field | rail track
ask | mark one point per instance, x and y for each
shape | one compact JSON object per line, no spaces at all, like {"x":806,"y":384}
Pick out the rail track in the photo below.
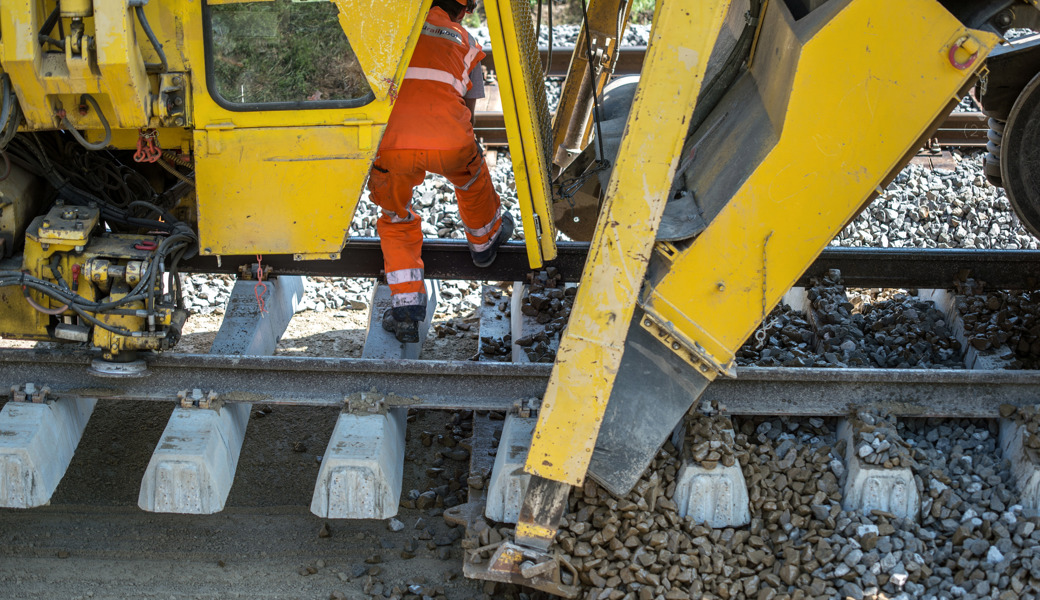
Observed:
{"x":433,"y":384}
{"x":860,"y":267}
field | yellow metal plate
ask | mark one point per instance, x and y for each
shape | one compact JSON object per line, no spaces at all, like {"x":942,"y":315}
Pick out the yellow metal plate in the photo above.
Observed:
{"x":865,"y":89}
{"x":527,"y":119}
{"x":590,"y":351}
{"x":279,"y":190}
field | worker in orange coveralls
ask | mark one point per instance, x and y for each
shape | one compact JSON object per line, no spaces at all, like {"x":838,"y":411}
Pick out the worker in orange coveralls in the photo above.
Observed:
{"x":431,"y":129}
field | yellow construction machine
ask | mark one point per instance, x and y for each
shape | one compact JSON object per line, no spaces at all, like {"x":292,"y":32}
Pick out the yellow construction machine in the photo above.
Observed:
{"x":137,"y":134}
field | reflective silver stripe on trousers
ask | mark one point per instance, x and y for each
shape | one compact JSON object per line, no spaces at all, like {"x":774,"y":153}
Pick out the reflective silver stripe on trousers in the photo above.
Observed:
{"x":404,"y":276}
{"x":472,"y":179}
{"x":481,"y":247}
{"x":396,"y":219}
{"x":487,"y":228}
{"x":410,"y":299}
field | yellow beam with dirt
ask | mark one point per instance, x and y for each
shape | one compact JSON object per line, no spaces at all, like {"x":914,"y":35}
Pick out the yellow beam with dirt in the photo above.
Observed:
{"x":590,"y":352}
{"x":851,"y":99}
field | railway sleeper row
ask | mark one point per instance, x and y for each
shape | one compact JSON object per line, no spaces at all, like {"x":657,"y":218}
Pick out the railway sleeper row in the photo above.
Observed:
{"x":194,"y":463}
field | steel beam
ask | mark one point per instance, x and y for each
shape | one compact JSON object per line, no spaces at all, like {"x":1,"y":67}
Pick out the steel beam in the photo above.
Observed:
{"x":496,"y":386}
{"x":959,"y":130}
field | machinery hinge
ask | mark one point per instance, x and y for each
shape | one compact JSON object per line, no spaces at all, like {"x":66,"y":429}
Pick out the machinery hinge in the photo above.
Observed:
{"x":667,"y":250}
{"x":537,"y":226}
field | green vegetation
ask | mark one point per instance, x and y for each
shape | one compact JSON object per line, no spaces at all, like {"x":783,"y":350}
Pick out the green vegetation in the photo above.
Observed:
{"x":283,"y":51}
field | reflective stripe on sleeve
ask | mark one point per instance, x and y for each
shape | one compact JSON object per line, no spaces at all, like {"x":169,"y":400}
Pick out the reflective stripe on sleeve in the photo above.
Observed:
{"x":471,"y":54}
{"x":426,"y":74}
{"x":404,"y":276}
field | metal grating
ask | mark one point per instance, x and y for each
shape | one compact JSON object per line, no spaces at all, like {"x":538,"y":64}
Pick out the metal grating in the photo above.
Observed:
{"x":531,"y":64}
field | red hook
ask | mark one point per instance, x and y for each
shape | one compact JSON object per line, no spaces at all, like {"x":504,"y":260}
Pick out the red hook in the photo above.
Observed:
{"x":953,"y":54}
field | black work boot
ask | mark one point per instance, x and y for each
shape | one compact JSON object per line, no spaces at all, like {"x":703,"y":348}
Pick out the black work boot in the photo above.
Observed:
{"x":403,"y":322}
{"x":484,"y":258}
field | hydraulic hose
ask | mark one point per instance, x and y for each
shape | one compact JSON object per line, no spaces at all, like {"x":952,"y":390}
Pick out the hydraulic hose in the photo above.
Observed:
{"x":88,"y":99}
{"x":163,"y":67}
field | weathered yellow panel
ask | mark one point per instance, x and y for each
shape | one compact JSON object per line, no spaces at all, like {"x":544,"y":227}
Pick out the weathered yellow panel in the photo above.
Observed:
{"x":590,"y":352}
{"x":865,"y":89}
{"x":280,"y":190}
{"x":115,"y":75}
{"x":288,"y":181}
{"x":382,"y":37}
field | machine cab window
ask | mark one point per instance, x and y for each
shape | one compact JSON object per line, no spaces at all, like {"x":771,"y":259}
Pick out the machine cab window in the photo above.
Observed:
{"x":281,"y":54}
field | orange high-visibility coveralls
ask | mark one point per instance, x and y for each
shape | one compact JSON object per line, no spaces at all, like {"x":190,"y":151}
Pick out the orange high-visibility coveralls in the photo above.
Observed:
{"x":430,"y":129}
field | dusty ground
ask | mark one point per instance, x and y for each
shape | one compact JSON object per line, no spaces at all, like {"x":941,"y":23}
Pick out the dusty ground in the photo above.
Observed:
{"x":94,"y":542}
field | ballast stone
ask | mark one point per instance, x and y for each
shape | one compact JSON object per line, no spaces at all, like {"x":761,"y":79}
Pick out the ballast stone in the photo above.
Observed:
{"x":508,"y":479}
{"x":37,"y":441}
{"x":873,"y":487}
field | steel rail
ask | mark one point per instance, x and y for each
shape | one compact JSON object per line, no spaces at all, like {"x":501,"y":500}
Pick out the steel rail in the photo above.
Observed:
{"x":629,"y":62}
{"x":860,"y":267}
{"x":304,"y":381}
{"x":960,"y":129}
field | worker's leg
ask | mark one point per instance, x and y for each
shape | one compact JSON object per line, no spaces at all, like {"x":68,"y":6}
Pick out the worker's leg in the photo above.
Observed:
{"x":487,"y":224}
{"x":394,"y":175}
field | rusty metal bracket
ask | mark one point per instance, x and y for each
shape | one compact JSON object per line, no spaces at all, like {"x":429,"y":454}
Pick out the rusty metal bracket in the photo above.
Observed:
{"x":505,"y":561}
{"x":196,"y":399}
{"x":364,"y":403}
{"x":515,"y":564}
{"x":29,"y":393}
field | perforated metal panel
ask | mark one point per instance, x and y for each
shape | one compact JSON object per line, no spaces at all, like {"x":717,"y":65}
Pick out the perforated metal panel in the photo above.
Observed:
{"x":528,"y":123}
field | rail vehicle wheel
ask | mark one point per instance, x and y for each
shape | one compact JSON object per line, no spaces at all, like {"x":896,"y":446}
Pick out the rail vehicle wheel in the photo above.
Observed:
{"x":1020,"y":156}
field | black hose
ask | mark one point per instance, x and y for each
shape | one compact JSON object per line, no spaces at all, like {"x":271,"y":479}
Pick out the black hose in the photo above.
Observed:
{"x":592,"y":82}
{"x":10,"y":112}
{"x":48,"y":26}
{"x":88,"y":99}
{"x":163,"y":67}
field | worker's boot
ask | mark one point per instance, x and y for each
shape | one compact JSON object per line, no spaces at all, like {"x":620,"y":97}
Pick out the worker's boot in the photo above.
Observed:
{"x":403,"y":322}
{"x":484,"y":258}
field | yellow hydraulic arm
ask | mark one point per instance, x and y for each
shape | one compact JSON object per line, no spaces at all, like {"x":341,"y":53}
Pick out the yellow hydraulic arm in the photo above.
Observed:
{"x":591,"y":349}
{"x":572,"y":124}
